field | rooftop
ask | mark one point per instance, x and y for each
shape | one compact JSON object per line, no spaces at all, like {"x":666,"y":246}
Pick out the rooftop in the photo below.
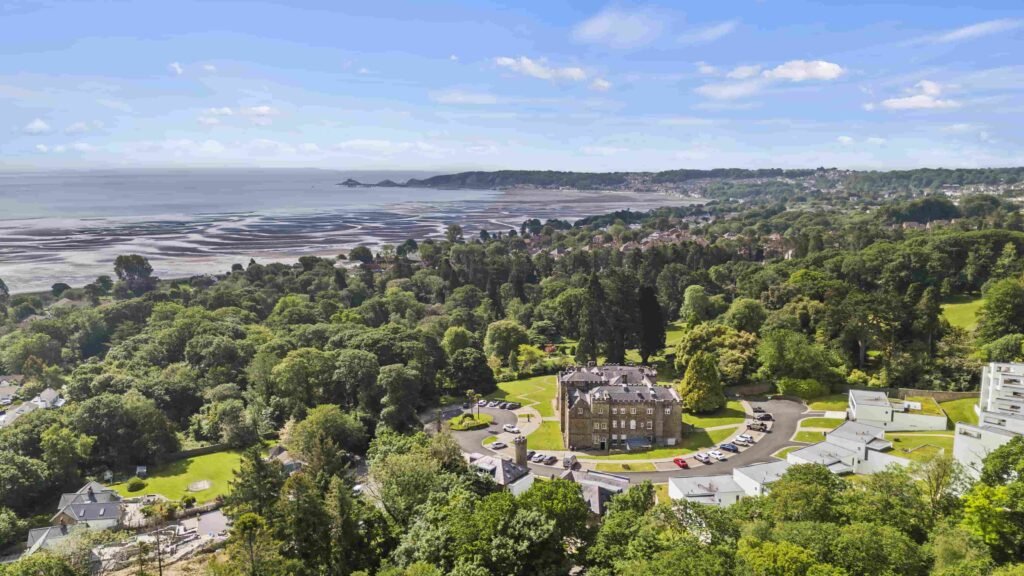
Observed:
{"x":504,"y":472}
{"x":764,"y":473}
{"x":696,"y":487}
{"x":823,"y":453}
{"x":928,"y":405}
{"x":869,"y":398}
{"x":856,"y":432}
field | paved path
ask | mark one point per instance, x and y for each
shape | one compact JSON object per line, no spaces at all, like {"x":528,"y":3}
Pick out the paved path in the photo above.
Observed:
{"x":787,"y":415}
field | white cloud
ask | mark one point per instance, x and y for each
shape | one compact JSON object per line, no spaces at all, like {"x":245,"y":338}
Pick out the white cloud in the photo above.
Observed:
{"x":845,"y":140}
{"x":114,"y":104}
{"x":685,"y":121}
{"x":600,"y":84}
{"x":209,"y":68}
{"x":620,"y":28}
{"x":538,"y":69}
{"x":223,"y":111}
{"x":710,"y":33}
{"x":176,"y":68}
{"x":260,"y":115}
{"x":453,"y":58}
{"x":705,"y":68}
{"x":42,"y":148}
{"x":370,"y":147}
{"x":876,"y":140}
{"x":730,"y":90}
{"x":800,"y":70}
{"x":744,"y":72}
{"x":309,"y":148}
{"x":82,"y":147}
{"x":36,"y":126}
{"x":364,"y":70}
{"x":960,"y":128}
{"x":926,"y":98}
{"x":868,"y":106}
{"x":460,"y":97}
{"x":209,"y":120}
{"x":978,"y":30}
{"x":603,"y":150}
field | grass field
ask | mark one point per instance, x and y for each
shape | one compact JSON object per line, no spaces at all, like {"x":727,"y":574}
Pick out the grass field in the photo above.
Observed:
{"x":172,"y":479}
{"x":470,"y":422}
{"x":694,"y":441}
{"x":781,"y":454}
{"x":829,"y":423}
{"x":661,"y":493}
{"x":919,"y":448}
{"x":614,"y":467}
{"x":539,"y":389}
{"x":960,"y":411}
{"x":809,"y":437}
{"x":830,"y":402}
{"x":489,"y":440}
{"x":547,"y":437}
{"x":928,"y":405}
{"x":962,"y":311}
{"x":732,"y":413}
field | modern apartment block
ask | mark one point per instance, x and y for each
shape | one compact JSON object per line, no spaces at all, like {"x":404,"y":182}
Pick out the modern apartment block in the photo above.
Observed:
{"x":1000,"y":412}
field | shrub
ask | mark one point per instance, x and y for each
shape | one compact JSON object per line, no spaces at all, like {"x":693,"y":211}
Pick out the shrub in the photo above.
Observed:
{"x":135,"y":484}
{"x":805,"y":388}
{"x":188,"y":501}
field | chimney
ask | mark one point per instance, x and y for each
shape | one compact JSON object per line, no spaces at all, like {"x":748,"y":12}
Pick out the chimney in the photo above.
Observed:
{"x":519,"y":443}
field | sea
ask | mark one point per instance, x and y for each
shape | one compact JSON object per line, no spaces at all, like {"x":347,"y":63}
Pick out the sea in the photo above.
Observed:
{"x":69,"y":226}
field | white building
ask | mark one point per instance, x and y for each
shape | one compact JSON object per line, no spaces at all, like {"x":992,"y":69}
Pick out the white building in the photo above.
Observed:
{"x":755,"y":479}
{"x":874,"y":408}
{"x":1000,"y":412}
{"x":720,"y":490}
{"x":506,"y":473}
{"x":853,"y":447}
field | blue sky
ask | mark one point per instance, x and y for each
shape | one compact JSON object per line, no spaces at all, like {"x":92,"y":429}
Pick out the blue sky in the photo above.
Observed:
{"x":450,"y":85}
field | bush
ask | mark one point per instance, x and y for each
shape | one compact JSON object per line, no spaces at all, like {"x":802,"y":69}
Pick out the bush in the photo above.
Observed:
{"x":135,"y":484}
{"x":469,"y":422}
{"x":805,"y":388}
{"x":188,"y":501}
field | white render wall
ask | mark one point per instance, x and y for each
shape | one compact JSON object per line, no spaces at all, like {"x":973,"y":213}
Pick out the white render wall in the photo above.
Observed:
{"x":878,"y":461}
{"x":906,"y":421}
{"x":972,"y":444}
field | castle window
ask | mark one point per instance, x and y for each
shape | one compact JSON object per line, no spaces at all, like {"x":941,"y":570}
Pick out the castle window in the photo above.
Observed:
{"x":668,"y":410}
{"x":615,"y":424}
{"x":650,"y":411}
{"x":632,"y":410}
{"x":632,"y":424}
{"x":650,"y":425}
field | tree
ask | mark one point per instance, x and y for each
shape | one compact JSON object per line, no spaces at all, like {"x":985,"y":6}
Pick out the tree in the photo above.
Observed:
{"x":40,"y":564}
{"x":10,"y":527}
{"x":252,"y":551}
{"x":467,"y":369}
{"x":734,"y":351}
{"x":806,"y":492}
{"x":256,"y":485}
{"x":453,"y":233}
{"x":561,"y":501}
{"x":745,"y":315}
{"x":401,"y":386}
{"x":58,"y":289}
{"x":652,"y":324}
{"x":774,"y":559}
{"x":301,"y":522}
{"x":456,"y":338}
{"x":1002,"y":311}
{"x":697,"y":306}
{"x":701,"y":387}
{"x":865,"y":549}
{"x":355,"y":379}
{"x":504,"y":337}
{"x":361,"y":254}
{"x":328,"y":422}
{"x":64,"y":452}
{"x":22,"y":479}
{"x":135,"y":274}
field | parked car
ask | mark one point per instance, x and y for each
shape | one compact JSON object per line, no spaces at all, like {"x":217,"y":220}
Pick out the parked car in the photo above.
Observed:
{"x":538,"y":458}
{"x":740,"y":442}
{"x":466,"y":405}
{"x":513,"y":406}
{"x":551,"y":460}
{"x":764,"y":417}
{"x":746,"y":438}
{"x":510,"y":428}
{"x":717,"y":455}
{"x":482,"y":403}
{"x":758,"y":410}
{"x":702,"y":457}
{"x":498,"y":446}
{"x":729,"y":447}
{"x":758,"y":426}
{"x":680,"y":461}
{"x":493,"y":404}
{"x":569,"y":462}
{"x":530,"y":454}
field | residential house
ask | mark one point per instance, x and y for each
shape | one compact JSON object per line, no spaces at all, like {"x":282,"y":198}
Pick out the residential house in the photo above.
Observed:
{"x":755,"y":479}
{"x":12,"y":379}
{"x":1000,"y":412}
{"x":289,"y":461}
{"x":598,"y":487}
{"x":511,"y":476}
{"x":8,"y":394}
{"x":874,"y":408}
{"x":49,"y":399}
{"x":92,"y":507}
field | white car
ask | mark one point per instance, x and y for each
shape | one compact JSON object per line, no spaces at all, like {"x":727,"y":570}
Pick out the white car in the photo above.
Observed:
{"x":717,"y":455}
{"x":702,"y":457}
{"x":498,"y":446}
{"x":510,"y":428}
{"x":746,"y":438}
{"x":740,"y":442}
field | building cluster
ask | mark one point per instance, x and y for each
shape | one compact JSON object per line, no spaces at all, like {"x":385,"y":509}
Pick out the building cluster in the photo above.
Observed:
{"x":1000,"y":412}
{"x":92,"y":507}
{"x":10,"y":390}
{"x":875,"y":408}
{"x":617,"y":407}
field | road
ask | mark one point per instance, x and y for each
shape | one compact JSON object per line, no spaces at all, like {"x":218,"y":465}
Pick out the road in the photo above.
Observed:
{"x":787,"y":414}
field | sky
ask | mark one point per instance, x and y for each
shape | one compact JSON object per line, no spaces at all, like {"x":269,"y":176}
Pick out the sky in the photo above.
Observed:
{"x":451,"y":85}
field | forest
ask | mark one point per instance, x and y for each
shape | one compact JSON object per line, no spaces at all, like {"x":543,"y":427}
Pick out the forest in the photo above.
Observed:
{"x":336,"y":357}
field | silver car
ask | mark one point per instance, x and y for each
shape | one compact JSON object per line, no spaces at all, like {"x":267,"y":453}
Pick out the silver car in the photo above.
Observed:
{"x":717,"y":455}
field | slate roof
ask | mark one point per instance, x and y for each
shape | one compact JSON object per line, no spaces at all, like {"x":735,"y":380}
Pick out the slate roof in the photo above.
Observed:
{"x":597,"y":487}
{"x":504,"y":472}
{"x":99,"y":493}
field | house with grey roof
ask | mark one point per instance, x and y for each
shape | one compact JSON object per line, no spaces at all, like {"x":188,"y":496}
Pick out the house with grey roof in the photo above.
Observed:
{"x":8,"y":393}
{"x":616,"y":406}
{"x":505,"y":473}
{"x":755,"y":479}
{"x":49,"y":399}
{"x":598,"y":488}
{"x":91,"y":507}
{"x":874,"y":408}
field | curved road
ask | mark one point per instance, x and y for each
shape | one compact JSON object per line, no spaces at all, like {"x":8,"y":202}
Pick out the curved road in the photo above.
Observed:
{"x":787,"y":415}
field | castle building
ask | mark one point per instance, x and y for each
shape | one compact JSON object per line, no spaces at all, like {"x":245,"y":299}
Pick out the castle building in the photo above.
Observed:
{"x":617,"y":407}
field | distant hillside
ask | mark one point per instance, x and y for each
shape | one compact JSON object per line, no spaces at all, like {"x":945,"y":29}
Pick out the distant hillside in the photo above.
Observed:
{"x":534,"y":178}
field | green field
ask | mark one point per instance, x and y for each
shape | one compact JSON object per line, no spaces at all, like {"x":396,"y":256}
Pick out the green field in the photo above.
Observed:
{"x":732,"y":413}
{"x":489,"y":440}
{"x":831,"y":402}
{"x":928,"y":405}
{"x":962,"y":311}
{"x":809,"y":437}
{"x":919,"y":448}
{"x":829,"y":423}
{"x":637,"y":467}
{"x":537,"y":391}
{"x":172,"y":479}
{"x":661,"y":494}
{"x":547,"y":437}
{"x":781,"y":454}
{"x":470,"y":422}
{"x":960,"y":411}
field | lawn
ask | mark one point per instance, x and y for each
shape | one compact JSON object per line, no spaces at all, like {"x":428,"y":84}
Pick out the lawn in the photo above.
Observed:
{"x":961,"y":410}
{"x":547,"y":437}
{"x":732,"y":413}
{"x":781,"y":454}
{"x":661,"y":494}
{"x":637,"y":467}
{"x":538,"y":391}
{"x":809,"y":437}
{"x":928,"y":405}
{"x":470,"y":422}
{"x":961,"y":311}
{"x":692,"y":442}
{"x":919,"y":448}
{"x":829,"y":423}
{"x":834,"y":402}
{"x":489,"y":440}
{"x":172,"y":479}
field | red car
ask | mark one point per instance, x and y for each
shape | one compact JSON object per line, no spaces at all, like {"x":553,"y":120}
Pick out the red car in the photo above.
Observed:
{"x":681,"y":462}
